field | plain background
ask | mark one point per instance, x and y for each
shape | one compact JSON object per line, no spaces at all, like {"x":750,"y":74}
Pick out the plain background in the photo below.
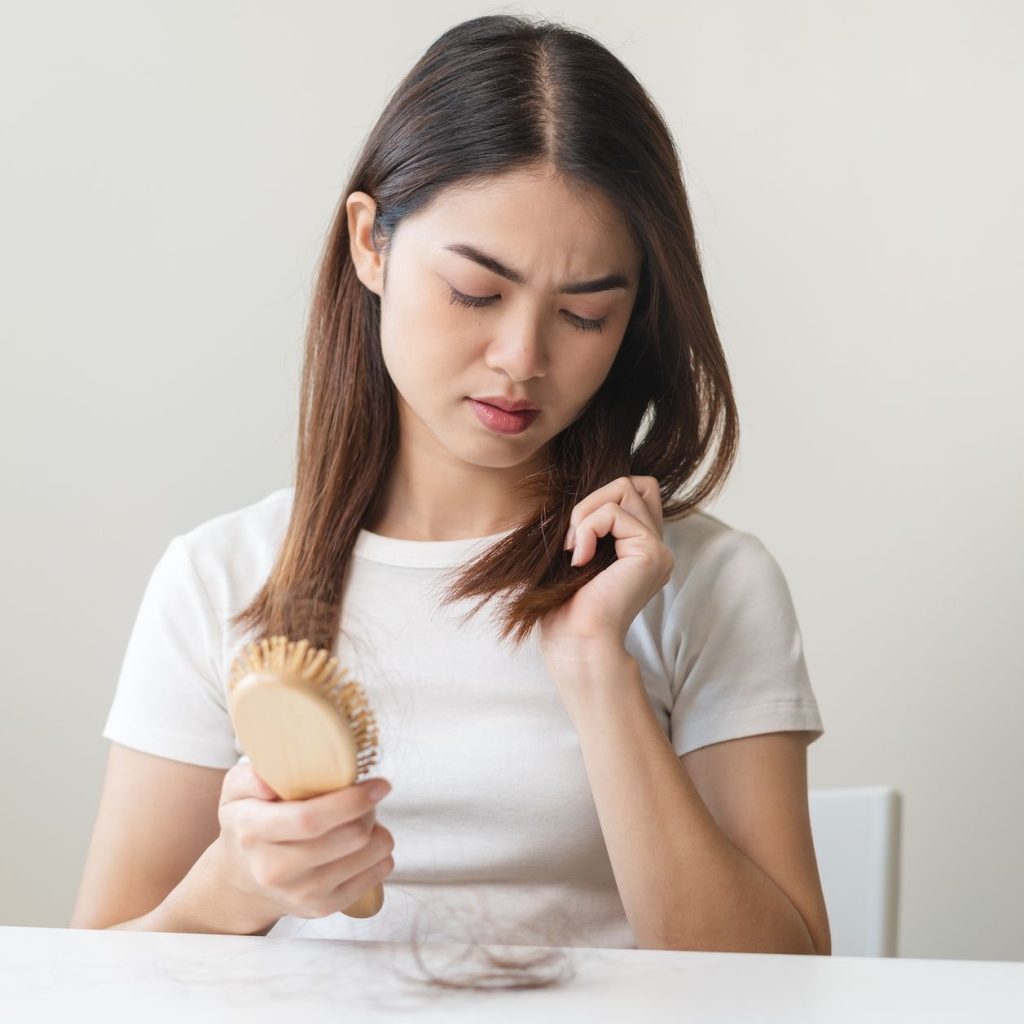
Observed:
{"x":854,"y":171}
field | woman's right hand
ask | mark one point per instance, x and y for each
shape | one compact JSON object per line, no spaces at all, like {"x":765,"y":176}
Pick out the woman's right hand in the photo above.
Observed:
{"x":307,"y":858}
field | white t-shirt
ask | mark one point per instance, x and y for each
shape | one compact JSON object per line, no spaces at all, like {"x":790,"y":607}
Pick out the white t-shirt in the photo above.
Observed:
{"x":496,"y":833}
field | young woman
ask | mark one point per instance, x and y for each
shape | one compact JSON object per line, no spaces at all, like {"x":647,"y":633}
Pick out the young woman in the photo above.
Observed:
{"x":593,"y":702}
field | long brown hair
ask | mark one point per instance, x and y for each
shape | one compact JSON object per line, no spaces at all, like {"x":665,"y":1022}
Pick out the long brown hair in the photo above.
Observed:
{"x":492,"y":94}
{"x":489,"y":95}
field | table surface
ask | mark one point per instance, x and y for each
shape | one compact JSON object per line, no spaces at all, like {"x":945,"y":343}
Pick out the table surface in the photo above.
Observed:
{"x":77,"y":974}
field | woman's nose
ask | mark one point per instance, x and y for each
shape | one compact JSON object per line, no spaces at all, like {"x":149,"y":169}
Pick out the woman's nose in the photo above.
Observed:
{"x":519,"y":351}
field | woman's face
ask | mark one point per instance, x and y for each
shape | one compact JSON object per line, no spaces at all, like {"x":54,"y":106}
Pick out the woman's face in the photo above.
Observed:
{"x":548,"y":337}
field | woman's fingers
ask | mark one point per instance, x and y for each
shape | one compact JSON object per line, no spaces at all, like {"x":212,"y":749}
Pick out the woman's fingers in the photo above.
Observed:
{"x":638,"y":495}
{"x":284,"y":820}
{"x":631,"y":535}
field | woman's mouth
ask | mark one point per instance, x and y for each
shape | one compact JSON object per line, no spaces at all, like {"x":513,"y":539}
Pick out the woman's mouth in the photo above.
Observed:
{"x":502,"y":422}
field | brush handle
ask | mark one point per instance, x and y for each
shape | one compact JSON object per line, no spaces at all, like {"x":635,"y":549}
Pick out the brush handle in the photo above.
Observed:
{"x":368,"y":904}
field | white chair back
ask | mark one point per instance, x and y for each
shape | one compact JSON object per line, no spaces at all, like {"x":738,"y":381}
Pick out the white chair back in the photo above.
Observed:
{"x":856,"y":834}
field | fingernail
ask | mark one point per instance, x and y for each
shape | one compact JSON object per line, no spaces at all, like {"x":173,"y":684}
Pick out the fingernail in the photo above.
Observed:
{"x":379,"y":790}
{"x":575,"y":556}
{"x":570,"y":538}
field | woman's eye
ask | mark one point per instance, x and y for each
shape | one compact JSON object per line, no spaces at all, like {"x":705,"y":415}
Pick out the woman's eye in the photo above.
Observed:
{"x":473,"y":301}
{"x":586,"y":325}
{"x":470,"y":300}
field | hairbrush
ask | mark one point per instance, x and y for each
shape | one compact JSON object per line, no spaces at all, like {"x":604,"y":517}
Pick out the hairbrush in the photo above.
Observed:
{"x":306,"y":727}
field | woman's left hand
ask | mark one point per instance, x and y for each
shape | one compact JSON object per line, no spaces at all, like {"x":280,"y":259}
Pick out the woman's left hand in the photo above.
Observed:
{"x":597,"y":617}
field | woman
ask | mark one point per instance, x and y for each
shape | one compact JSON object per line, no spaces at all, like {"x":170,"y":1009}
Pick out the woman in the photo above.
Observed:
{"x":595,"y":732}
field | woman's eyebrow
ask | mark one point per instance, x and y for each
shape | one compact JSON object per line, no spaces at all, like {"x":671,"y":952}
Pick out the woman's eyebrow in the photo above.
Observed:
{"x":600,"y":284}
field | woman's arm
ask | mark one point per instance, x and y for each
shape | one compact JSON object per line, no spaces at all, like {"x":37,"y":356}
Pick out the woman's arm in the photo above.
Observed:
{"x":683,"y":882}
{"x":154,"y":859}
{"x":202,"y":902}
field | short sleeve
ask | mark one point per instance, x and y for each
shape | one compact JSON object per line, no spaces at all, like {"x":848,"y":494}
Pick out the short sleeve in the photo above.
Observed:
{"x":740,"y":667}
{"x":169,"y":698}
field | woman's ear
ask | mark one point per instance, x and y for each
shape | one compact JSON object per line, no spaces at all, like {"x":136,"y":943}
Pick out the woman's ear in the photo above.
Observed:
{"x":368,"y":263}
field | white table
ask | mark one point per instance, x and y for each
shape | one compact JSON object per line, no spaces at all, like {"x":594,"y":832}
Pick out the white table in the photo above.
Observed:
{"x":70,"y":974}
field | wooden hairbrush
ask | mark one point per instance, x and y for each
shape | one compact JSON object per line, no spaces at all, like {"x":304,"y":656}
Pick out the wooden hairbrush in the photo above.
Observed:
{"x":306,"y":728}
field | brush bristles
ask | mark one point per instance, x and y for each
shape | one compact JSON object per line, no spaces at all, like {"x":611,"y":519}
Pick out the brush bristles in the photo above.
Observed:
{"x":318,"y":668}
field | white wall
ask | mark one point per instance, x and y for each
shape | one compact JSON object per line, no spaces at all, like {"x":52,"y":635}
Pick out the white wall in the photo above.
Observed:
{"x":168,"y":170}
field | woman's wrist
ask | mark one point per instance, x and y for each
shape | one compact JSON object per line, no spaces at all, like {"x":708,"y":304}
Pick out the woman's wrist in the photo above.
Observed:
{"x":572,"y":663}
{"x":206,"y":901}
{"x":214,"y":900}
{"x":584,"y":673}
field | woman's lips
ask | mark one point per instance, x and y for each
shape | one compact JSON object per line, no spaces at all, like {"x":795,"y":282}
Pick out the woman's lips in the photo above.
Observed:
{"x":502,"y":422}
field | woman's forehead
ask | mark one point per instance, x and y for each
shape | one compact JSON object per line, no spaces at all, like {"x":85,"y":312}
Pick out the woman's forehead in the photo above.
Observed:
{"x":520,"y":217}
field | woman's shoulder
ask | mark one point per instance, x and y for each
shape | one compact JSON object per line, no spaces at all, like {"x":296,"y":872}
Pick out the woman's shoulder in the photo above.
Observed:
{"x":234,"y":551}
{"x":252,"y":522}
{"x":700,"y":536}
{"x":713,"y":554}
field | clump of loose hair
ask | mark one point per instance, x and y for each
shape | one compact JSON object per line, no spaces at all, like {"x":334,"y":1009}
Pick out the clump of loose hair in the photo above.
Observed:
{"x":491,"y":95}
